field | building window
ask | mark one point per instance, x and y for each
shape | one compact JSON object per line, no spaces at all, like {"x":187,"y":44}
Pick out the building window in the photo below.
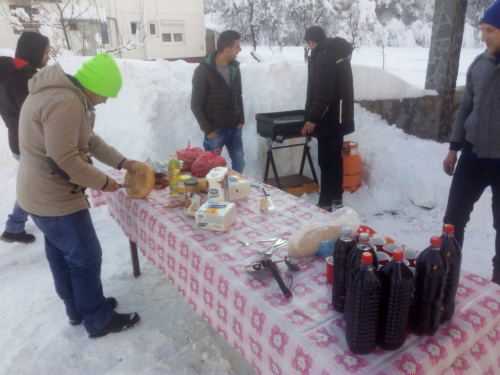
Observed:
{"x":104,"y":33}
{"x":152,"y":29}
{"x":73,"y":26}
{"x":27,"y":17}
{"x":172,"y":32}
{"x":134,"y":27}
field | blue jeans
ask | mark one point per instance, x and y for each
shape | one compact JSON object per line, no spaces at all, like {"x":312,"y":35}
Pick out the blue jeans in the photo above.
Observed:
{"x":74,"y":255}
{"x":18,"y":218}
{"x":332,"y":169}
{"x":232,"y":139}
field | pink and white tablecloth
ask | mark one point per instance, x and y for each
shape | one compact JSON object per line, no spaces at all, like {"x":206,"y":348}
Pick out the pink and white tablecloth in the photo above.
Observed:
{"x":303,"y":335}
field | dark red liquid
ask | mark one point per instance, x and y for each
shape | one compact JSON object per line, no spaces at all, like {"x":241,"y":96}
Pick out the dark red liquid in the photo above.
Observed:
{"x":354,"y":259}
{"x":453,"y":254}
{"x":361,"y":310}
{"x":430,"y":275}
{"x":343,"y":247}
{"x":395,"y":299}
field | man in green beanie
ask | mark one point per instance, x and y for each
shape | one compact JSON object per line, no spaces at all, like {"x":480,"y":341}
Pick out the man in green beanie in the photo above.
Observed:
{"x":56,"y":139}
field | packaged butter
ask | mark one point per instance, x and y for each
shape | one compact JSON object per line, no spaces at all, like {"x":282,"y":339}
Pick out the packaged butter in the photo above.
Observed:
{"x":218,"y":184}
{"x":239,"y":187}
{"x":217,"y":216}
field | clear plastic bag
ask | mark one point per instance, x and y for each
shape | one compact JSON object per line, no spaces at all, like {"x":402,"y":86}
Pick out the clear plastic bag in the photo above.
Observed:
{"x":322,"y":227}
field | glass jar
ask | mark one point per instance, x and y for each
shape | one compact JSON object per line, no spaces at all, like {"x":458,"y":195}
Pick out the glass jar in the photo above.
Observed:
{"x":180,"y":186}
{"x":190,"y":186}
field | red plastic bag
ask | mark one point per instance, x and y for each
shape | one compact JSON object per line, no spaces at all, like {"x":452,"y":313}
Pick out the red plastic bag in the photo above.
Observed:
{"x":188,"y":156}
{"x":206,"y":161}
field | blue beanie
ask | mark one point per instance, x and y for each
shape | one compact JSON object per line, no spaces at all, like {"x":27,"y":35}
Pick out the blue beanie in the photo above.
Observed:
{"x":492,"y":15}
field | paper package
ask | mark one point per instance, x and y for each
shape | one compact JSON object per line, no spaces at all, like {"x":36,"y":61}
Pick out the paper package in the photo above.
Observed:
{"x":217,"y":216}
{"x":239,"y":187}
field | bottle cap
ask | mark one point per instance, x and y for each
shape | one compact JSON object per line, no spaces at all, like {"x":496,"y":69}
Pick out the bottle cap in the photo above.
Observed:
{"x":367,"y":258}
{"x":449,"y":228}
{"x":346,"y":231}
{"x":435,"y":241}
{"x":397,"y":255}
{"x":364,"y":237}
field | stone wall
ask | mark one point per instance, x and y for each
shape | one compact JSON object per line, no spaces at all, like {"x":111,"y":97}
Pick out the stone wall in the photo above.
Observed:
{"x":416,"y":116}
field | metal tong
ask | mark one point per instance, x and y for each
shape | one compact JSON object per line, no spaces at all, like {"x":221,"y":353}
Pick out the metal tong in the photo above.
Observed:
{"x":271,"y":264}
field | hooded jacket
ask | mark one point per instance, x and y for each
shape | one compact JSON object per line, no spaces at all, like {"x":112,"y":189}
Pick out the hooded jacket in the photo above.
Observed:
{"x":57,"y":140}
{"x":478,"y":116}
{"x":14,"y":76}
{"x":330,"y":92}
{"x":214,"y":104}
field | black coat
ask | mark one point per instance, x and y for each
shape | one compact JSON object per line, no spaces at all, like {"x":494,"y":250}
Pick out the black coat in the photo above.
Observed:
{"x":330,"y":92}
{"x":213,"y":103}
{"x":14,"y":77}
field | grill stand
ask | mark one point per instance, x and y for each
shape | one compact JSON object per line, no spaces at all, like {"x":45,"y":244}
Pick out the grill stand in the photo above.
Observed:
{"x":297,"y":184}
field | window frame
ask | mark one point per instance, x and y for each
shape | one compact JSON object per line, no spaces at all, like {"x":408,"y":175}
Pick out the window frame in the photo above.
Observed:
{"x":137,"y":28}
{"x":164,"y":23}
{"x":156,"y":35}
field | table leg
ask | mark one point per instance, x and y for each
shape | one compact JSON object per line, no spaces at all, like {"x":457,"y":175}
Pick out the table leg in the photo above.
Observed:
{"x":135,"y":258}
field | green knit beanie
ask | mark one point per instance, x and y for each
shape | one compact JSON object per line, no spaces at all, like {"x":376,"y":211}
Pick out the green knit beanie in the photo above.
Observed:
{"x":101,"y":75}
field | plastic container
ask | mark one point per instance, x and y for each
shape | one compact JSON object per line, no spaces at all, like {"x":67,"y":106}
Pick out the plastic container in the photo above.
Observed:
{"x":354,"y":258}
{"x":343,"y":247}
{"x":174,"y":171}
{"x":352,"y":166}
{"x":362,"y":308}
{"x":181,"y":186}
{"x":395,"y":300}
{"x":430,"y":275}
{"x":453,"y":254}
{"x":218,"y":184}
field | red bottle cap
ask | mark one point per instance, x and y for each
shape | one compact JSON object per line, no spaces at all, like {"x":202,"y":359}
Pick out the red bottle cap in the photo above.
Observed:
{"x":449,"y":228}
{"x":397,"y":255}
{"x":367,"y":258}
{"x":364,"y":237}
{"x":435,"y":241}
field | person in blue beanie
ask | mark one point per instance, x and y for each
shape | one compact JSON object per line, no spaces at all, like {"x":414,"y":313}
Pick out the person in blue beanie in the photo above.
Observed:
{"x":476,"y":134}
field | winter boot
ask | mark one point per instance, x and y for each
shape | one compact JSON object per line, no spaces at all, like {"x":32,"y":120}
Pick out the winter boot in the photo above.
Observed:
{"x":22,"y":237}
{"x":337,"y":203}
{"x":111,"y":302}
{"x":326,"y":208}
{"x":119,"y":322}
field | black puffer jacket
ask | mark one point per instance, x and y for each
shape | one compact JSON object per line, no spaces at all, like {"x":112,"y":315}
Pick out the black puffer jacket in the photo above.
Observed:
{"x":213,"y":103}
{"x":14,"y":77}
{"x":330,"y":92}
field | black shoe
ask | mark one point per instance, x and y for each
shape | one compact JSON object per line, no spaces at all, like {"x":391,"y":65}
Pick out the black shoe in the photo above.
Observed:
{"x":22,"y":237}
{"x":119,"y":322}
{"x":337,"y":204}
{"x":496,"y":276}
{"x":326,"y":208}
{"x":111,"y":302}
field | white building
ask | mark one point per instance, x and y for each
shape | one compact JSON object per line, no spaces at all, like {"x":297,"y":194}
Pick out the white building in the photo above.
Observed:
{"x":134,"y":29}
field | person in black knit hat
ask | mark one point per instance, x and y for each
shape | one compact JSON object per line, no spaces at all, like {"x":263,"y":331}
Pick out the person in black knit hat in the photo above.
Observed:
{"x":32,"y":53}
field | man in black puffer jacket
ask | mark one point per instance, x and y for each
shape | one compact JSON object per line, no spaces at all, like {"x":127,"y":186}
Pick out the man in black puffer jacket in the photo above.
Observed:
{"x":216,"y":100}
{"x":32,"y":53}
{"x":329,"y":112}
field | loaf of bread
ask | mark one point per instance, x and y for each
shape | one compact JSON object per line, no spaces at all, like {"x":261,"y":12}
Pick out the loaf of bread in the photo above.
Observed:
{"x":142,"y":180}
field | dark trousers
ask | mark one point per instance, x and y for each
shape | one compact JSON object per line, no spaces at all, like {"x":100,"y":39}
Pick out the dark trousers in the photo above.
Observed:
{"x":470,"y":180}
{"x":75,"y":256}
{"x":332,"y":169}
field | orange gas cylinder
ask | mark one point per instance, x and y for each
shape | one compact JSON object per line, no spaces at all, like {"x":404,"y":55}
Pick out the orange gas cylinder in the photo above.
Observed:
{"x":352,"y":166}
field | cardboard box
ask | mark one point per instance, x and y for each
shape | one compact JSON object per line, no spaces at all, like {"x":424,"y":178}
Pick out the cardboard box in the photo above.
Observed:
{"x":217,"y":216}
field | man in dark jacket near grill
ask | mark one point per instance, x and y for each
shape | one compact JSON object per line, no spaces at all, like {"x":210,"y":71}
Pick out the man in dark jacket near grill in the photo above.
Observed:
{"x":476,"y":134}
{"x":216,"y":100}
{"x":32,"y":53}
{"x":329,"y":112}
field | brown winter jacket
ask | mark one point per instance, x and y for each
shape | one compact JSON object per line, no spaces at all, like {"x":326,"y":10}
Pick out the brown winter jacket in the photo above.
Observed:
{"x":56,"y":139}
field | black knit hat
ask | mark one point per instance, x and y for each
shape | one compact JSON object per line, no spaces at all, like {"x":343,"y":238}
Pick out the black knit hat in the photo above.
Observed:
{"x":31,"y":47}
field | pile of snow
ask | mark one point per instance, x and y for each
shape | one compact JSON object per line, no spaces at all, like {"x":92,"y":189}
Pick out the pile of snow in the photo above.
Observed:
{"x":7,"y":52}
{"x":403,"y":195}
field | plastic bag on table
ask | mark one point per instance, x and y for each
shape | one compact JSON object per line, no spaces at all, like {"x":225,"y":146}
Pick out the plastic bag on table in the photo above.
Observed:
{"x":188,"y":155}
{"x":206,"y":161}
{"x":322,"y":227}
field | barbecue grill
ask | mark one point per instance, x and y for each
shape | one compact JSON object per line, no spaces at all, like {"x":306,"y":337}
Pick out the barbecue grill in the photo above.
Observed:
{"x":277,"y":127}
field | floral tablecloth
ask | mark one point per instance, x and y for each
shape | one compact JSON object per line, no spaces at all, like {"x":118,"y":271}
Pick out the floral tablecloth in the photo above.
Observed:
{"x":302,"y":335}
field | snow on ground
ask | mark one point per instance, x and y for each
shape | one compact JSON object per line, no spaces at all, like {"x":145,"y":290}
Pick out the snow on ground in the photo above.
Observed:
{"x":404,"y":196}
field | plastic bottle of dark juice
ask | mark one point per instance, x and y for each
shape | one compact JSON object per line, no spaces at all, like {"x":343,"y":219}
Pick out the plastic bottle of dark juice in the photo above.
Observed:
{"x":395,"y":299}
{"x":362,"y":308}
{"x":354,"y":259}
{"x":343,"y":247}
{"x":430,"y":274}
{"x":453,"y":254}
